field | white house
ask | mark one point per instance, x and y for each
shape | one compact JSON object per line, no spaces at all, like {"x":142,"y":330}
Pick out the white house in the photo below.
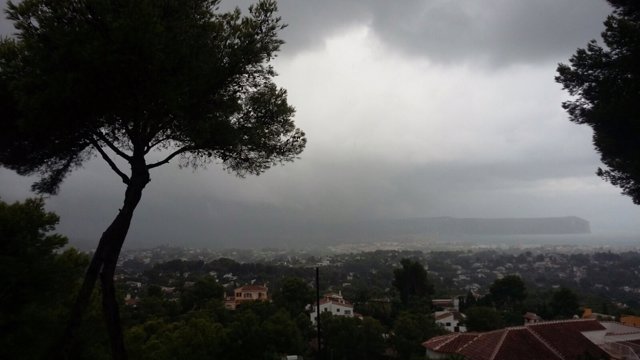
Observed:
{"x":450,"y":320}
{"x":333,"y":303}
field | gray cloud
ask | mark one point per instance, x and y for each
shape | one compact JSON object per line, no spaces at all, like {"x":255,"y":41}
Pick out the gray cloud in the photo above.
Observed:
{"x":499,"y":32}
{"x":6,"y":27}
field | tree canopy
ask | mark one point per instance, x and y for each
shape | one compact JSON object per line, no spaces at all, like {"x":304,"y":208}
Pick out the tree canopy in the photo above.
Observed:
{"x":412,"y":283}
{"x":564,"y":304}
{"x":605,"y":84}
{"x":125,"y":78}
{"x":294,"y":295}
{"x":352,"y":338}
{"x":508,"y":292}
{"x":483,"y":318}
{"x":139,"y":83}
{"x":37,"y":280}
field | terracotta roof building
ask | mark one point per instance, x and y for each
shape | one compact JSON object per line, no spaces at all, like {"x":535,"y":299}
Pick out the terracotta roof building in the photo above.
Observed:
{"x":554,"y":340}
{"x":247,"y":293}
{"x":619,"y":340}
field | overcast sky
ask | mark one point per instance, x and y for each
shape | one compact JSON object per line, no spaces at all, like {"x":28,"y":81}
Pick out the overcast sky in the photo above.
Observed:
{"x":412,"y":108}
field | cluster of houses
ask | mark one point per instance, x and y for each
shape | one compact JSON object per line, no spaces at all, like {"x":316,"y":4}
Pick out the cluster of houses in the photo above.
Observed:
{"x":594,"y":336}
{"x":332,"y":303}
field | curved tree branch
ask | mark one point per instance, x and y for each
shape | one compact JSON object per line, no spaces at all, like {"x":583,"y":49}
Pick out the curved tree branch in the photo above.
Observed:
{"x":171,"y":156}
{"x":155,"y":143}
{"x":111,"y":146}
{"x":113,"y":165}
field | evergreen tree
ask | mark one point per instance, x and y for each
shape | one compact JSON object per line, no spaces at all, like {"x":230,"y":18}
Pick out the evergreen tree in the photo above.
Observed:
{"x":508,"y":293}
{"x":37,"y":280}
{"x":139,"y":83}
{"x":482,"y":318}
{"x":564,"y":304}
{"x":413,"y":284}
{"x":605,"y":84}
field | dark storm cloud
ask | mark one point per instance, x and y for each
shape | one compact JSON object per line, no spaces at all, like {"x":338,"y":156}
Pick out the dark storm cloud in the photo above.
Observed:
{"x":497,"y":31}
{"x":500,"y":31}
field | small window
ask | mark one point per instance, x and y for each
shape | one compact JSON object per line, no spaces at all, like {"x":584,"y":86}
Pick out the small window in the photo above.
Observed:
{"x":338,"y":310}
{"x":448,"y":324}
{"x":325,"y":309}
{"x":247,"y":295}
{"x":347,"y":312}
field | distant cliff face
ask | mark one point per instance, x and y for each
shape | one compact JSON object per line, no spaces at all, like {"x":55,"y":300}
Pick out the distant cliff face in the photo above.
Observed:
{"x":508,"y":226}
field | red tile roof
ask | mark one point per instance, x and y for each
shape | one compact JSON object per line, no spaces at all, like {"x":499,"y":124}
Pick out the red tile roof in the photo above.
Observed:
{"x":519,"y":344}
{"x":566,"y":337}
{"x":449,"y":344}
{"x":435,"y":342}
{"x":484,"y":345}
{"x":554,"y":340}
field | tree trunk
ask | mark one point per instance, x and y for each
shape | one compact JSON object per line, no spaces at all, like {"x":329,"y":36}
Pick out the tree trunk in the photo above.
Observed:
{"x":103,"y":264}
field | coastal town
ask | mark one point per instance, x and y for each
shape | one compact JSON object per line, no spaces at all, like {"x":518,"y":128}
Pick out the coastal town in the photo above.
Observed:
{"x":603,"y":285}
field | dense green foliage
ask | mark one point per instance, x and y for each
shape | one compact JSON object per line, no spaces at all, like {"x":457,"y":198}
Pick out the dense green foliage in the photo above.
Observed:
{"x":294,"y":295}
{"x":37,"y":282}
{"x":564,"y":304}
{"x":257,"y":331}
{"x":352,"y":338}
{"x":605,"y":84}
{"x":483,"y":318}
{"x":410,"y":329}
{"x":413,"y":285}
{"x":508,"y":293}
